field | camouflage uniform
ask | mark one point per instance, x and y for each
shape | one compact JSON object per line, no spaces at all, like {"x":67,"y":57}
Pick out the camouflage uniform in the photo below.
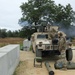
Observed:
{"x":62,"y":49}
{"x":62,"y":43}
{"x":52,"y":34}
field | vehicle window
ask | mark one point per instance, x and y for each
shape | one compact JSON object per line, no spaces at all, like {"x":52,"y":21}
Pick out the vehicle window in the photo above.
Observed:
{"x":40,"y":36}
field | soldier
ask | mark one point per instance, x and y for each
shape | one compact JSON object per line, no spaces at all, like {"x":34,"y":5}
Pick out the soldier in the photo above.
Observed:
{"x":52,"y":33}
{"x":62,"y":48}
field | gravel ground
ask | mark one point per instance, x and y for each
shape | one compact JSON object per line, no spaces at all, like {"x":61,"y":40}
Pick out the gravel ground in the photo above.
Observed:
{"x":26,"y":66}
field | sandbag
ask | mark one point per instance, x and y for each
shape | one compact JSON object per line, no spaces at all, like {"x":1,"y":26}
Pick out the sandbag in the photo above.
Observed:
{"x":60,"y":65}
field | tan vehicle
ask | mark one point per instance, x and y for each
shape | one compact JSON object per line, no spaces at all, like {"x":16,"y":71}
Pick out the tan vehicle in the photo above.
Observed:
{"x":42,"y":45}
{"x":46,"y":43}
{"x":40,"y":42}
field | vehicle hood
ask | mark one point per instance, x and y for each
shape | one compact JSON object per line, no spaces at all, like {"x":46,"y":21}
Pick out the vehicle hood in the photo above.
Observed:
{"x":44,"y":41}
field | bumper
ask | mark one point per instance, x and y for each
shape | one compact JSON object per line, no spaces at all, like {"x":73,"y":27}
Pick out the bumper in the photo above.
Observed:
{"x":50,"y":52}
{"x":48,"y":47}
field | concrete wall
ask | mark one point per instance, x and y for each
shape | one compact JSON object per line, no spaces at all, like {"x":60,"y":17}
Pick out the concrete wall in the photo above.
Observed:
{"x":26,"y":44}
{"x":9,"y":59}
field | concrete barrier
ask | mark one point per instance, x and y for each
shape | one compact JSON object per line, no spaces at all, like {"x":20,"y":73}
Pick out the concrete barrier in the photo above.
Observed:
{"x":9,"y":59}
{"x":26,"y":45}
{"x":3,"y":64}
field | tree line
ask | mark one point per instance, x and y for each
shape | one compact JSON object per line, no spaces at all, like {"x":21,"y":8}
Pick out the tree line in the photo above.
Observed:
{"x":22,"y":33}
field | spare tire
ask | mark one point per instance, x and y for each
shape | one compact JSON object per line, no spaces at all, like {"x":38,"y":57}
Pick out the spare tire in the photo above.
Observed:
{"x":69,"y":54}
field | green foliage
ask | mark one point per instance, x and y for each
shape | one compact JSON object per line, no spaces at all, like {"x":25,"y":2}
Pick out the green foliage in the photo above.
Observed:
{"x":34,"y":10}
{"x":65,"y":15}
{"x":30,"y":48}
{"x":3,"y":33}
{"x":23,"y":33}
{"x":21,"y":46}
{"x":9,"y":33}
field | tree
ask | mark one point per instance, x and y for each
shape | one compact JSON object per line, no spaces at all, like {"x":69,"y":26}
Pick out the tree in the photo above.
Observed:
{"x":3,"y":33}
{"x":25,"y":32}
{"x":9,"y":33}
{"x":65,"y":15}
{"x":15,"y":33}
{"x":34,"y":11}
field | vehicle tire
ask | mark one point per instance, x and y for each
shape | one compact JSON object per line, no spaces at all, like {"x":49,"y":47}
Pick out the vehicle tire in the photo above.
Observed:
{"x":38,"y":54}
{"x":69,"y":54}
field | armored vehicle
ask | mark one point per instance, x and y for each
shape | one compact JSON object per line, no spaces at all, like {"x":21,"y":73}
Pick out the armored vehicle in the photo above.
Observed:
{"x":46,"y":43}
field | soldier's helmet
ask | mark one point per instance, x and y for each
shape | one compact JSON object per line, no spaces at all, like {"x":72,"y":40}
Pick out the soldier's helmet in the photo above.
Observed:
{"x":61,"y":33}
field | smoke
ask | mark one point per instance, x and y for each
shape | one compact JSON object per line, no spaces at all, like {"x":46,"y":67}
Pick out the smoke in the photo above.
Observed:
{"x":70,"y":32}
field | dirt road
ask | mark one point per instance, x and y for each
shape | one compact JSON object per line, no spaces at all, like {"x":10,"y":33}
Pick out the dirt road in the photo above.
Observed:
{"x":26,"y":66}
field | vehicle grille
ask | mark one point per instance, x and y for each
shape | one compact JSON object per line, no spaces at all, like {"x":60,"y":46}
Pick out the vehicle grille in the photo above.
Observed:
{"x":47,"y":47}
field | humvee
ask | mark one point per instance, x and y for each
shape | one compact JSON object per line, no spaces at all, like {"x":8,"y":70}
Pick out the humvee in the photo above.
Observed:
{"x":42,"y":45}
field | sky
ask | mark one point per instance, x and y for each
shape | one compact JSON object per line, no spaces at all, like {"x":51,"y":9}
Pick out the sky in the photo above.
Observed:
{"x":10,"y":12}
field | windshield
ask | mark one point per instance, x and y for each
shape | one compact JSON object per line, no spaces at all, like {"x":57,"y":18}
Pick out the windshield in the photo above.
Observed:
{"x":42,"y":36}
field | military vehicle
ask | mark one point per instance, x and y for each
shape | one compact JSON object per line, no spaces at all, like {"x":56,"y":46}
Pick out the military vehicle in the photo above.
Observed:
{"x":45,"y":43}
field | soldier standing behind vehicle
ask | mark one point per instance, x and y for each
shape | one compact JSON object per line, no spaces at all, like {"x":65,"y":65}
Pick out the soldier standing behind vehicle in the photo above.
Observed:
{"x":52,"y":34}
{"x":62,"y":48}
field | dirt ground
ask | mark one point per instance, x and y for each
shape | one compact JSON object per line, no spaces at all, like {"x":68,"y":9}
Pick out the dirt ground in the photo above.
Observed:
{"x":26,"y":66}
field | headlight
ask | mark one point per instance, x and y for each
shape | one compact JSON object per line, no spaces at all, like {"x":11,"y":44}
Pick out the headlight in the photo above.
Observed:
{"x":40,"y":44}
{"x":47,"y":47}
